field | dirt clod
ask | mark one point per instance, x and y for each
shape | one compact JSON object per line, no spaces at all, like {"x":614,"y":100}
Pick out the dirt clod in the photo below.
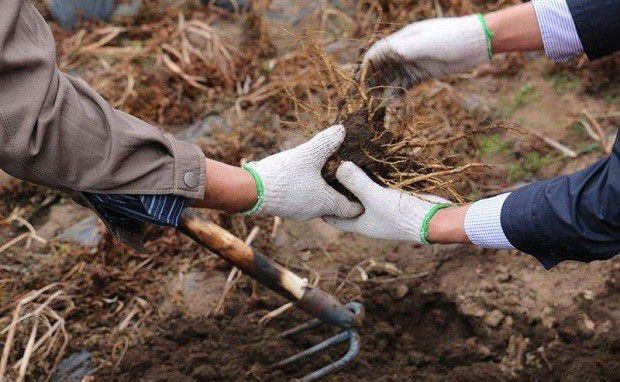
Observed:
{"x":366,"y":141}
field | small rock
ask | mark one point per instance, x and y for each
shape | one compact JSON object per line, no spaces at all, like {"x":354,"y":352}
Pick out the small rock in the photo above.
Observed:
{"x":127,"y":9}
{"x":478,"y":312}
{"x":85,"y":233}
{"x":530,"y":56}
{"x":61,"y":217}
{"x":195,"y":293}
{"x":472,"y":103}
{"x":393,"y":256}
{"x":494,"y":319}
{"x":208,"y":126}
{"x":588,"y":295}
{"x":74,"y":368}
{"x":230,"y":5}
{"x":68,"y":14}
{"x":279,"y":240}
{"x":305,"y":255}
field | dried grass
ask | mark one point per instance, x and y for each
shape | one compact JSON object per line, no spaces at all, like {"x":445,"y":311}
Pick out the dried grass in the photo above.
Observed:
{"x":26,"y":347}
{"x":433,"y":138}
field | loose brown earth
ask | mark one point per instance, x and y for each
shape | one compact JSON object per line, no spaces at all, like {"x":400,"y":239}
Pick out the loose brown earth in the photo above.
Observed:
{"x":468,"y":316}
{"x":365,"y":139}
{"x":432,"y":313}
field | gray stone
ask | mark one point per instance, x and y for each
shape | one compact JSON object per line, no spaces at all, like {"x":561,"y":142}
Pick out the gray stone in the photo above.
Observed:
{"x":230,"y":5}
{"x":74,"y":368}
{"x":531,"y":56}
{"x":290,"y":18}
{"x":212,"y":124}
{"x":85,"y":233}
{"x":472,"y":103}
{"x":61,"y":216}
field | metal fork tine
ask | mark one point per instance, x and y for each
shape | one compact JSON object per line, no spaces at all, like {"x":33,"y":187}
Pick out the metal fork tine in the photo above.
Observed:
{"x":301,"y":328}
{"x":333,"y":341}
{"x":351,"y":335}
{"x":354,"y":349}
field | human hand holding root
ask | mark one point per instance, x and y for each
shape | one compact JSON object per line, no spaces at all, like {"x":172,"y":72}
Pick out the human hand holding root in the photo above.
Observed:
{"x":395,"y":215}
{"x":425,"y":49}
{"x":289,"y":184}
{"x":450,"y":45}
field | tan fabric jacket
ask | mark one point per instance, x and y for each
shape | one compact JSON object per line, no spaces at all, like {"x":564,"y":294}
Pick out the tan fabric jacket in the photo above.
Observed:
{"x":57,"y":132}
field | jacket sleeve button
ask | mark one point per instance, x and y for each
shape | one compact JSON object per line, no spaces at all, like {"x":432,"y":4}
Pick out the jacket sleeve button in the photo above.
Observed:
{"x":191,"y":179}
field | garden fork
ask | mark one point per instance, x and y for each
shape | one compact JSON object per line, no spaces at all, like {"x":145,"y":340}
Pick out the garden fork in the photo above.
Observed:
{"x":325,"y":308}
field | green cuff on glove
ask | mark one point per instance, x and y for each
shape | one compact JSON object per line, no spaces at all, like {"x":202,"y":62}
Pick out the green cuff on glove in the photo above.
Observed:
{"x":427,"y":219}
{"x":260,"y":189}
{"x":488,"y":34}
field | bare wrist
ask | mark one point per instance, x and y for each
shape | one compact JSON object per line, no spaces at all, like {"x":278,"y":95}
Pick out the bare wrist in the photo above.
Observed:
{"x":515,"y":29}
{"x":229,"y":188}
{"x":447,"y":226}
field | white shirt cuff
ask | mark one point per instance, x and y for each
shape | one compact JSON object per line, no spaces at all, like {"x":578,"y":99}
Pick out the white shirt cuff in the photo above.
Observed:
{"x":483,"y":224}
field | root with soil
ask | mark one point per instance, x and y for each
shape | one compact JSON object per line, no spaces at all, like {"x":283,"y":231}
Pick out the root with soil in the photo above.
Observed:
{"x":422,"y":141}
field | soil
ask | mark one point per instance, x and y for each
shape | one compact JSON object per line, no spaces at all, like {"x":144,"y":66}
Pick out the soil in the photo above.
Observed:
{"x":415,"y":329}
{"x":366,"y":139}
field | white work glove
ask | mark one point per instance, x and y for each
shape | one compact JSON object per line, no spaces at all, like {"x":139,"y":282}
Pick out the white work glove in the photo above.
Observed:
{"x":290,"y":184}
{"x":388,"y":213}
{"x":429,"y":48}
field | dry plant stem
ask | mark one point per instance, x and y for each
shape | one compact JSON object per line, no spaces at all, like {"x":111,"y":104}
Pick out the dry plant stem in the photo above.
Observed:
{"x":41,"y":313}
{"x":14,"y":241}
{"x":457,"y":170}
{"x":234,"y":274}
{"x":275,"y":313}
{"x":28,"y":352}
{"x":600,"y":133}
{"x":566,"y":151}
{"x":9,"y":342}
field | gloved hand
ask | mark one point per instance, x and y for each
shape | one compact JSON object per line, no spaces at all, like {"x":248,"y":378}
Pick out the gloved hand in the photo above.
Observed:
{"x":389,"y":214}
{"x":427,"y":49}
{"x":290,"y":184}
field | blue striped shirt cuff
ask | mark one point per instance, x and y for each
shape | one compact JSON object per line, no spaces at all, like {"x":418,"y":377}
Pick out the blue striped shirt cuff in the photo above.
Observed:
{"x":163,"y":210}
{"x":557,"y":28}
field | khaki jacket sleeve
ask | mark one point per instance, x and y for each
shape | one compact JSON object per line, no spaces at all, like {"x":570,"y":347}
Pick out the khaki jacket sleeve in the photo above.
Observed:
{"x":58,"y":132}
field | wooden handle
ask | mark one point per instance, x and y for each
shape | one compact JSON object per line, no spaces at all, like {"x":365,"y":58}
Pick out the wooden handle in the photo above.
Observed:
{"x":239,"y":254}
{"x":313,"y":301}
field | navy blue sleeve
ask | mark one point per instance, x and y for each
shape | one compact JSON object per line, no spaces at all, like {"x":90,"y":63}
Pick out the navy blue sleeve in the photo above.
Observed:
{"x":598,"y":25}
{"x":573,"y":217}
